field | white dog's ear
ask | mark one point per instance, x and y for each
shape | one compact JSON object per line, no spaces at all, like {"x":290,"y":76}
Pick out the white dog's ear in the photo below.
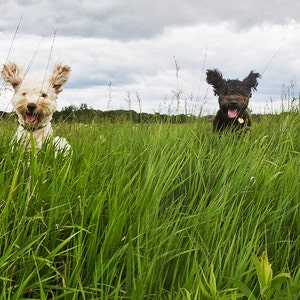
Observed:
{"x":59,"y":76}
{"x":12,"y":73}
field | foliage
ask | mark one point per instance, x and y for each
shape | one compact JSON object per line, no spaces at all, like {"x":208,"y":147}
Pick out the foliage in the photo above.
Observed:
{"x":153,"y":211}
{"x":83,"y":114}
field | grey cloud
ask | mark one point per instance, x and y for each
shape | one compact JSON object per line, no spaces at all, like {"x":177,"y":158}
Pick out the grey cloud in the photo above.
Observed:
{"x":125,"y":20}
{"x":131,"y":44}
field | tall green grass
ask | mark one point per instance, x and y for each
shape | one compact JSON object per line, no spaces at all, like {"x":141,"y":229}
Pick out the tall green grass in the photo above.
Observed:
{"x":157,"y":211}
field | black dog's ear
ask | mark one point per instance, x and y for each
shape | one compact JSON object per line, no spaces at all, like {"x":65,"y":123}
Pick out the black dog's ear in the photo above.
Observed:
{"x":251,"y":80}
{"x":215,"y":78}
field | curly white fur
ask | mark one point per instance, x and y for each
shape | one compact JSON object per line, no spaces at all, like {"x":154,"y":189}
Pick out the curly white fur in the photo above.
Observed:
{"x":34,"y":101}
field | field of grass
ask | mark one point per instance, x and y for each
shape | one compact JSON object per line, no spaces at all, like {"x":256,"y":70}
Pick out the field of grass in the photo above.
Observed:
{"x":153,"y":211}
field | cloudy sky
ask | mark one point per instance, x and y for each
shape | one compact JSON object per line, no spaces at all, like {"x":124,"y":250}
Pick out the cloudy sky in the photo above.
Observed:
{"x":148,"y":54}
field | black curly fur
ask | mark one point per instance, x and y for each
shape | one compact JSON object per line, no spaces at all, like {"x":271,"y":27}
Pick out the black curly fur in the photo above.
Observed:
{"x":233,"y":95}
{"x":215,"y":78}
{"x":222,"y":122}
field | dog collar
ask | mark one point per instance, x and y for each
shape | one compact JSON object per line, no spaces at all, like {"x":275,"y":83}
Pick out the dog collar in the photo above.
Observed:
{"x":33,"y":129}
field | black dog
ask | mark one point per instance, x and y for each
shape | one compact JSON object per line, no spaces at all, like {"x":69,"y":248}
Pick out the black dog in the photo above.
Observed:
{"x":234,"y":97}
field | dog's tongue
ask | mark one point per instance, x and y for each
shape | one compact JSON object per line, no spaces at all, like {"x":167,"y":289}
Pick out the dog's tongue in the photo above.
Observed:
{"x":232,"y":113}
{"x":29,"y":118}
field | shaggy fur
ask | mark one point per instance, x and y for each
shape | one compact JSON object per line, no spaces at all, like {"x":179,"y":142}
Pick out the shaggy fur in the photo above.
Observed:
{"x":34,"y":101}
{"x":233,"y":99}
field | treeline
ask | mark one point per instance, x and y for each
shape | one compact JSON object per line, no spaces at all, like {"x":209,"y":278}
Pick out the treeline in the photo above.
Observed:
{"x":84,"y":114}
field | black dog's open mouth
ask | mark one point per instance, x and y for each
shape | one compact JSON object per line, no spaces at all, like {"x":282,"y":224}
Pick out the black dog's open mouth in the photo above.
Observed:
{"x":232,"y":113}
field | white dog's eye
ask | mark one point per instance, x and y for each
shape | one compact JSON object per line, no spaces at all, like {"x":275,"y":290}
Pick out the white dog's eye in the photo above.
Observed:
{"x":44,"y":95}
{"x":23,"y":94}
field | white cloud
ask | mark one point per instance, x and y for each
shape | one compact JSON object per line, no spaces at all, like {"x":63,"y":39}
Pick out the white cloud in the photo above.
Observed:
{"x":132,"y":45}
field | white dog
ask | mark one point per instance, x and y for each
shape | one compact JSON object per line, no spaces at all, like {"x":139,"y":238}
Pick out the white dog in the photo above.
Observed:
{"x":34,"y":101}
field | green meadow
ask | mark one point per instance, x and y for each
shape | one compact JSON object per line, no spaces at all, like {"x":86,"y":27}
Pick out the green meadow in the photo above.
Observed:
{"x":153,"y":211}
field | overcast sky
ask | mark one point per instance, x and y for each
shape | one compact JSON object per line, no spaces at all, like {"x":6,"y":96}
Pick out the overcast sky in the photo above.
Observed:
{"x":144,"y":54}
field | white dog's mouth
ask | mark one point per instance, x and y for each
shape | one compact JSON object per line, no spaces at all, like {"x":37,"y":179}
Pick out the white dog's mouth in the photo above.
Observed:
{"x":31,"y":121}
{"x":30,"y":118}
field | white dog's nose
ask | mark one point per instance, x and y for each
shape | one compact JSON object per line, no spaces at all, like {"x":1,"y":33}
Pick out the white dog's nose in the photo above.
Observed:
{"x":31,"y":107}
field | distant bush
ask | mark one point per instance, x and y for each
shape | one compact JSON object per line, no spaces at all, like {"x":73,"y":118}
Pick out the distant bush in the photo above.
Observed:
{"x":83,"y":114}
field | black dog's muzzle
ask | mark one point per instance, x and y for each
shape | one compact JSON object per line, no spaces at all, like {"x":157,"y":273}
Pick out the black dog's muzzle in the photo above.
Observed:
{"x":233,"y":104}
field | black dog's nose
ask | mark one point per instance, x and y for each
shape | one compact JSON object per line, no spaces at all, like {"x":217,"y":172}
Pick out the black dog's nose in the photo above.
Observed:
{"x":233,"y":103}
{"x":31,"y":107}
